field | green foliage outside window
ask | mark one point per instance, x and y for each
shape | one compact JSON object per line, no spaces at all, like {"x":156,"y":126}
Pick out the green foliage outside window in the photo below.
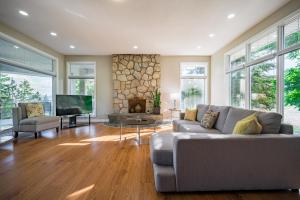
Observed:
{"x":188,"y":96}
{"x":263,"y":86}
{"x":12,"y":93}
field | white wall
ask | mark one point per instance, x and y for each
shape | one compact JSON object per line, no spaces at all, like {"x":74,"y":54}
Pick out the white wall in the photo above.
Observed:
{"x":104,"y":82}
{"x":219,"y":82}
{"x":170,"y":77}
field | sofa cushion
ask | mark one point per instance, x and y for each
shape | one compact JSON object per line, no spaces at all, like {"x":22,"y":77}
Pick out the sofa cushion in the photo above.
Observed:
{"x":270,"y":122}
{"x":201,"y":110}
{"x":234,"y":115}
{"x":178,"y":123}
{"x":161,"y":148}
{"x":209,"y":119}
{"x":248,"y":125}
{"x":223,"y":111}
{"x":39,"y":120}
{"x":196,"y":128}
{"x":190,"y":114}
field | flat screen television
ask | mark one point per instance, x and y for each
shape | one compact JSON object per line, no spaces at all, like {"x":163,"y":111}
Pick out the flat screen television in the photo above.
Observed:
{"x":73,"y":104}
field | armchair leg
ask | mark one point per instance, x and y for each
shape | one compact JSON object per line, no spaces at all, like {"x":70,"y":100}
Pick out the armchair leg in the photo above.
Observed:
{"x":16,"y":134}
{"x":35,"y":135}
{"x":57,"y":129}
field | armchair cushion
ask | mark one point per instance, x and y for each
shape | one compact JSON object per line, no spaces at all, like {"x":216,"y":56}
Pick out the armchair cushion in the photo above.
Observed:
{"x":39,"y":120}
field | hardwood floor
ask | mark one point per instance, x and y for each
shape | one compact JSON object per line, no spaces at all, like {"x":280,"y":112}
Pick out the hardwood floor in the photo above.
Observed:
{"x":91,"y":163}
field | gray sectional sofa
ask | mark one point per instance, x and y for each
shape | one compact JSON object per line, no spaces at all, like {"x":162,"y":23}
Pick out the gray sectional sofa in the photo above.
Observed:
{"x":192,"y":158}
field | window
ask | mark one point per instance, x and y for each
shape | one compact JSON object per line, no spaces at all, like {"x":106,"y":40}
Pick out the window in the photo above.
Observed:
{"x":263,"y":86}
{"x":193,"y":84}
{"x":263,"y":46}
{"x":238,"y":86}
{"x":292,"y":33}
{"x":238,"y":58}
{"x":292,"y":89}
{"x":268,"y":79}
{"x":82,"y":79}
{"x":26,"y":75}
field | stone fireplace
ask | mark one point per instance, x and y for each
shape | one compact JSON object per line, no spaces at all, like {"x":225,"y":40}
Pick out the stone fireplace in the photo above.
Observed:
{"x":135,"y":76}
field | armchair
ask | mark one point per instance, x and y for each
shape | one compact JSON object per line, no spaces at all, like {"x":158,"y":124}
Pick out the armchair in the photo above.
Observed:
{"x":21,"y":123}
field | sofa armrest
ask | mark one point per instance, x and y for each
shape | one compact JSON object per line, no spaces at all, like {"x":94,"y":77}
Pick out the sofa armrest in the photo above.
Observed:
{"x":286,"y":129}
{"x":17,"y":116}
{"x":228,"y":162}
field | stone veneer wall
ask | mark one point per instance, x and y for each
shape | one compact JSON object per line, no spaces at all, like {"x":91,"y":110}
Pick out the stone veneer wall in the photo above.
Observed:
{"x":134,"y":76}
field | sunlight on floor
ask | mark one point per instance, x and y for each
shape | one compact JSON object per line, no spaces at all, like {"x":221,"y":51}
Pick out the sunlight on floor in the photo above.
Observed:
{"x":77,"y":194}
{"x":73,"y":144}
{"x":114,"y":138}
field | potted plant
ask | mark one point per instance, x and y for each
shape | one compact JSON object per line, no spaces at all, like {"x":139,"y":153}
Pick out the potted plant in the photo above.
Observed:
{"x":156,"y":101}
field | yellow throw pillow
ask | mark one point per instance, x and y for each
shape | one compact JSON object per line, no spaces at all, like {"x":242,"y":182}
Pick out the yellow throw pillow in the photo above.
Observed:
{"x":190,"y":114}
{"x":247,"y":126}
{"x":34,"y":109}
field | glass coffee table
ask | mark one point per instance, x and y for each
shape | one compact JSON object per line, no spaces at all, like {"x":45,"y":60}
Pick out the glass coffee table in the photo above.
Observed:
{"x":138,"y":123}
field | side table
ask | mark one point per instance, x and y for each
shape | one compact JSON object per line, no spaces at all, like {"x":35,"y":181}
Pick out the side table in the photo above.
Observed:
{"x":174,"y":110}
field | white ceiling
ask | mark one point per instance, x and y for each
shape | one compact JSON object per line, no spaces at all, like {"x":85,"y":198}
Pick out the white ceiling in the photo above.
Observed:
{"x":167,"y":27}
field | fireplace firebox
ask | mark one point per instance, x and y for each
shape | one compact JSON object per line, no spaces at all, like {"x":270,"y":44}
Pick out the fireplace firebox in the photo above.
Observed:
{"x":136,"y":105}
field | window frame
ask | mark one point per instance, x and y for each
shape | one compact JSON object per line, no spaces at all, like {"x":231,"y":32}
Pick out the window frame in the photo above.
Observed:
{"x":202,"y":77}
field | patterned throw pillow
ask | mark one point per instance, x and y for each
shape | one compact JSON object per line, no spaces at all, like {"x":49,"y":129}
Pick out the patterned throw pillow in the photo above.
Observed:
{"x":190,"y":114}
{"x":209,"y":119}
{"x":34,"y":109}
{"x":248,"y":125}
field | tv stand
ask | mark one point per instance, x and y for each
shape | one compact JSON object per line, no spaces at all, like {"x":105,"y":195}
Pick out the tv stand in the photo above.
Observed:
{"x":73,"y":121}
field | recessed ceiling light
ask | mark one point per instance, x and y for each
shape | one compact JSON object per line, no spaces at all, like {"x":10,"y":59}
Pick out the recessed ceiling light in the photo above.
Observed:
{"x":16,"y":47}
{"x":22,"y":12}
{"x":53,"y":34}
{"x":72,"y":47}
{"x":230,"y":16}
{"x":135,"y":47}
{"x":211,"y":35}
{"x":199,"y":47}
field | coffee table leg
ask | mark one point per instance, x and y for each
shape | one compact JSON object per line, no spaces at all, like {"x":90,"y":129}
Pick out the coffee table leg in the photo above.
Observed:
{"x":139,"y":134}
{"x":121,"y":127}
